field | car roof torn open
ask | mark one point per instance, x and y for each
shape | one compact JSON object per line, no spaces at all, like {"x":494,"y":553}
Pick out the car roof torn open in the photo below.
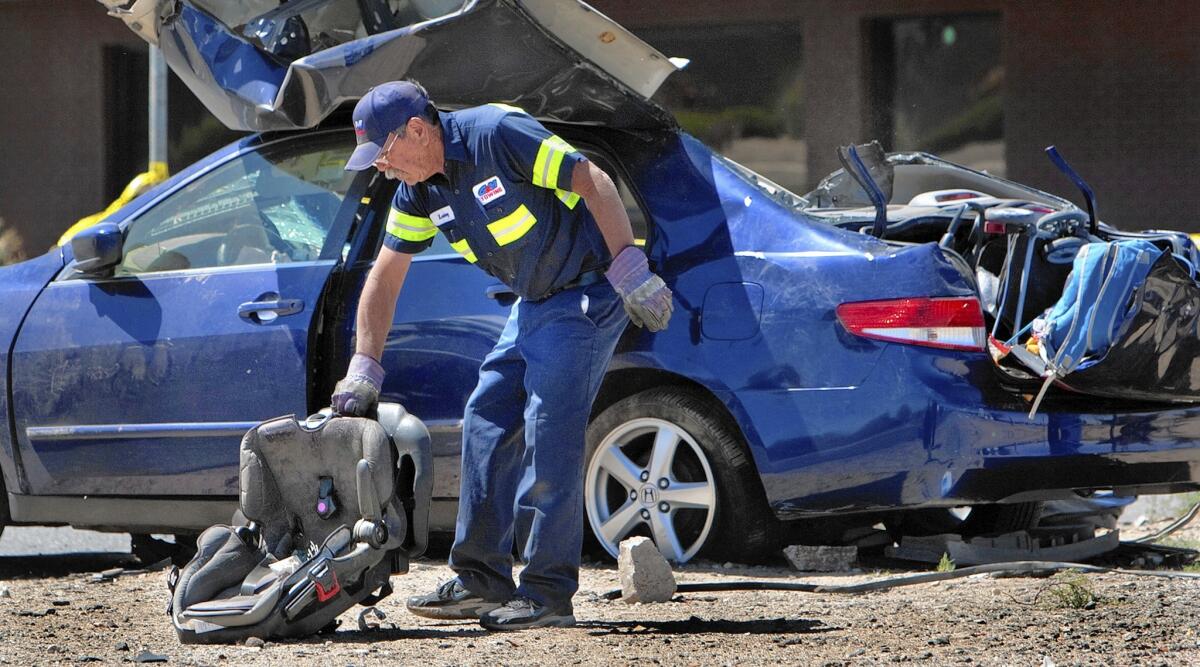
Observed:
{"x":292,"y":65}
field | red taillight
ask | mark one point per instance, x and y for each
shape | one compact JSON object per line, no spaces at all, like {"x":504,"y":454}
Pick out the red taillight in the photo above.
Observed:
{"x":994,"y":227}
{"x":952,"y":323}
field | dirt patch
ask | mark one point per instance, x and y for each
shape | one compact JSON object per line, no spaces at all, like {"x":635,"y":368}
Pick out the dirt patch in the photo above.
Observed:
{"x":55,"y":613}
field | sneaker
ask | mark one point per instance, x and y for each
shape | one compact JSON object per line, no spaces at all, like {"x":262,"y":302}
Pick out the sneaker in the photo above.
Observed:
{"x":450,"y":601}
{"x":520,"y":613}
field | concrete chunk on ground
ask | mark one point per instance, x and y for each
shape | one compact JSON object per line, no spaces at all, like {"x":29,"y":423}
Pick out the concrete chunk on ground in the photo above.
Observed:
{"x":821,"y":558}
{"x":645,"y":575}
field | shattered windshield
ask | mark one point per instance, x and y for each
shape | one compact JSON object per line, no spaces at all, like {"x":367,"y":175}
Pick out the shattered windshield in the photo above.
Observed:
{"x":776,"y":191}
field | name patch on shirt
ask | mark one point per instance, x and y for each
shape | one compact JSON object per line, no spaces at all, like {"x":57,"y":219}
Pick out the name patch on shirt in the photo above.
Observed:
{"x":489,"y":190}
{"x":442,"y":216}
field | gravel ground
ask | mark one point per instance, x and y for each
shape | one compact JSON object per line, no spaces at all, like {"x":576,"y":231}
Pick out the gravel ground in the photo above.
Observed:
{"x":53,"y":612}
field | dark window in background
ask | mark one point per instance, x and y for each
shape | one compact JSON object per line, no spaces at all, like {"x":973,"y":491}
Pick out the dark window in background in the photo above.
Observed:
{"x":192,"y":132}
{"x":125,"y":92}
{"x":937,"y":85}
{"x":741,"y":94}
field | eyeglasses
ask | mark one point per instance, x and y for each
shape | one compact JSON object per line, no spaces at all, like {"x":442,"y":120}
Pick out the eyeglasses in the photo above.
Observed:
{"x":387,"y":146}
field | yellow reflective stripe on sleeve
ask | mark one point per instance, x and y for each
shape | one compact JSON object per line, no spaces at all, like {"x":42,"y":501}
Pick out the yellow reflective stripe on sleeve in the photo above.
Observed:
{"x":507,"y":107}
{"x":464,"y":249}
{"x":410,"y":227}
{"x":512,"y":226}
{"x":549,"y":159}
{"x":568,"y":198}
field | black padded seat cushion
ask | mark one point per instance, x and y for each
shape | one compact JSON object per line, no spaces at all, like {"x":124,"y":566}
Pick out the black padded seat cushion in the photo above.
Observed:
{"x":221,"y":562}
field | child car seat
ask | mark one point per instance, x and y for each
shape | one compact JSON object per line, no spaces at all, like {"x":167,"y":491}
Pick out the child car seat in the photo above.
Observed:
{"x":332,"y":507}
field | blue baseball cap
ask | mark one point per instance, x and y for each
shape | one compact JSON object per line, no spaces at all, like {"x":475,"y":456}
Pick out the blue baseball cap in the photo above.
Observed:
{"x":383,"y":109}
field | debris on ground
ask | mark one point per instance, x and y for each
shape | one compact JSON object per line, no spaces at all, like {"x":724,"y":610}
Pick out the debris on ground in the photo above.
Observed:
{"x":1060,"y":543}
{"x":37,"y":613}
{"x":645,"y":574}
{"x":107,"y":575}
{"x":370,"y":619}
{"x":821,"y":558}
{"x":145,"y":656}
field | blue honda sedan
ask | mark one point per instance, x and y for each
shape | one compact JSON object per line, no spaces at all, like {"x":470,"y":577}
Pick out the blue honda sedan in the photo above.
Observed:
{"x":827,"y":367}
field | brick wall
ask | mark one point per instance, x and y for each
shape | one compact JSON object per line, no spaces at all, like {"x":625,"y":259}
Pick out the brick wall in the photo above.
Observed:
{"x":52,"y":127}
{"x":1114,"y":85}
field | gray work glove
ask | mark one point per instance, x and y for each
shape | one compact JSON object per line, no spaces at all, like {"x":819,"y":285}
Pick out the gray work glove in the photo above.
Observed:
{"x":358,"y":393}
{"x":646,"y":297}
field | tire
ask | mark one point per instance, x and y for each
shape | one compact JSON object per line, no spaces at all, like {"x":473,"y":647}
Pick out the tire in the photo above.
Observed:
{"x":722,"y":511}
{"x":4,"y":516}
{"x":998,"y":519}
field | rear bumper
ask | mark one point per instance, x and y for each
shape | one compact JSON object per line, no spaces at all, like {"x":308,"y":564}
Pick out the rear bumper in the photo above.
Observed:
{"x":1046,"y":479}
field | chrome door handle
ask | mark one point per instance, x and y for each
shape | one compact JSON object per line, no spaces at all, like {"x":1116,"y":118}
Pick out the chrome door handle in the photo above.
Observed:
{"x":268,"y":309}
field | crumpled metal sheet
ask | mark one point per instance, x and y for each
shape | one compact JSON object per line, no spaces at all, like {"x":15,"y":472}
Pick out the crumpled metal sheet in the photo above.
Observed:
{"x":489,"y":51}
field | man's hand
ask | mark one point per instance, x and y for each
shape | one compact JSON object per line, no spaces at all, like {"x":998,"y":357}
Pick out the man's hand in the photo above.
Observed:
{"x":358,"y":393}
{"x":646,"y":297}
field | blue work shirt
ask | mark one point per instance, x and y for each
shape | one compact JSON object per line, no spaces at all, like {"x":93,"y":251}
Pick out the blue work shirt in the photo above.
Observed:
{"x":504,"y":203}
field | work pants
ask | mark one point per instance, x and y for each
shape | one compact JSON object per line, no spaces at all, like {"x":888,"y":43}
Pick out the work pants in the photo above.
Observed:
{"x":523,"y":445}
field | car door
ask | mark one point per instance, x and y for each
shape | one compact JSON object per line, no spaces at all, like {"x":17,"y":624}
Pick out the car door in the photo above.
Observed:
{"x":143,"y":383}
{"x":445,"y":323}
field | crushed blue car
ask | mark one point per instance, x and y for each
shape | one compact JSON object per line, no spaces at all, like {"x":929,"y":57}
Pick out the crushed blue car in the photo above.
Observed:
{"x":836,"y":360}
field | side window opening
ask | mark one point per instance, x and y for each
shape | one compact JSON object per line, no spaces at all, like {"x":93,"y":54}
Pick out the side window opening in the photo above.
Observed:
{"x":637,"y":218}
{"x":273,"y":205}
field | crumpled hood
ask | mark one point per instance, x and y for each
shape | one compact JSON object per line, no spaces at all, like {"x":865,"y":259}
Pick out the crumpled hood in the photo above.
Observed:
{"x":291,"y":65}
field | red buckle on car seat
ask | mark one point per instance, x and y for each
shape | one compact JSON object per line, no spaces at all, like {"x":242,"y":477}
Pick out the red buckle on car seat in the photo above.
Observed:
{"x":324,"y":580}
{"x":324,"y":593}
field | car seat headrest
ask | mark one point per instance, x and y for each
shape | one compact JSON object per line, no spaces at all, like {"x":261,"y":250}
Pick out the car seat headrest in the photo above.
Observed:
{"x":289,"y":479}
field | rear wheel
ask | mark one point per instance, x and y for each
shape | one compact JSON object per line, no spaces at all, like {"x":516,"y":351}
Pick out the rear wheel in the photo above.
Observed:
{"x":997,"y":519}
{"x":4,"y":516}
{"x":663,"y":464}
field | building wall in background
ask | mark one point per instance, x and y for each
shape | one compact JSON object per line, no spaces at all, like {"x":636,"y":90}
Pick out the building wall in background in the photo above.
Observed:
{"x":52,"y":120}
{"x":1114,"y":85}
{"x":1111,"y":83}
{"x":75,"y":131}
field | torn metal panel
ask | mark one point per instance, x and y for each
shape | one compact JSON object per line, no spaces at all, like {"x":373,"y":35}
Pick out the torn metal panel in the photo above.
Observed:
{"x":290,"y":67}
{"x":1058,"y":544}
{"x":922,"y":173}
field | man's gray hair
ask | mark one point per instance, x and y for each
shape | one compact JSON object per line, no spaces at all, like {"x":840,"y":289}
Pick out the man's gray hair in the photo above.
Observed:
{"x":429,"y":114}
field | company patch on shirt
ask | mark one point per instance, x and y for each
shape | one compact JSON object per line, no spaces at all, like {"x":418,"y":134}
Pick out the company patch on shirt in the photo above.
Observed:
{"x":489,"y":190}
{"x":442,"y":216}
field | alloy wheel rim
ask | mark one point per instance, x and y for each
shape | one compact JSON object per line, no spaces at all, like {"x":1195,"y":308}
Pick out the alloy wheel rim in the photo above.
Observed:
{"x":649,"y":476}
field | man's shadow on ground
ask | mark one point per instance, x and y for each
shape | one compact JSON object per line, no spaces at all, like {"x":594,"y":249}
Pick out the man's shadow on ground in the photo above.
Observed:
{"x":691,"y":626}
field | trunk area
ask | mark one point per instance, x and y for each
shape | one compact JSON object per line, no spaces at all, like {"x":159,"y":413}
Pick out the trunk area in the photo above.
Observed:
{"x":1020,"y":246}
